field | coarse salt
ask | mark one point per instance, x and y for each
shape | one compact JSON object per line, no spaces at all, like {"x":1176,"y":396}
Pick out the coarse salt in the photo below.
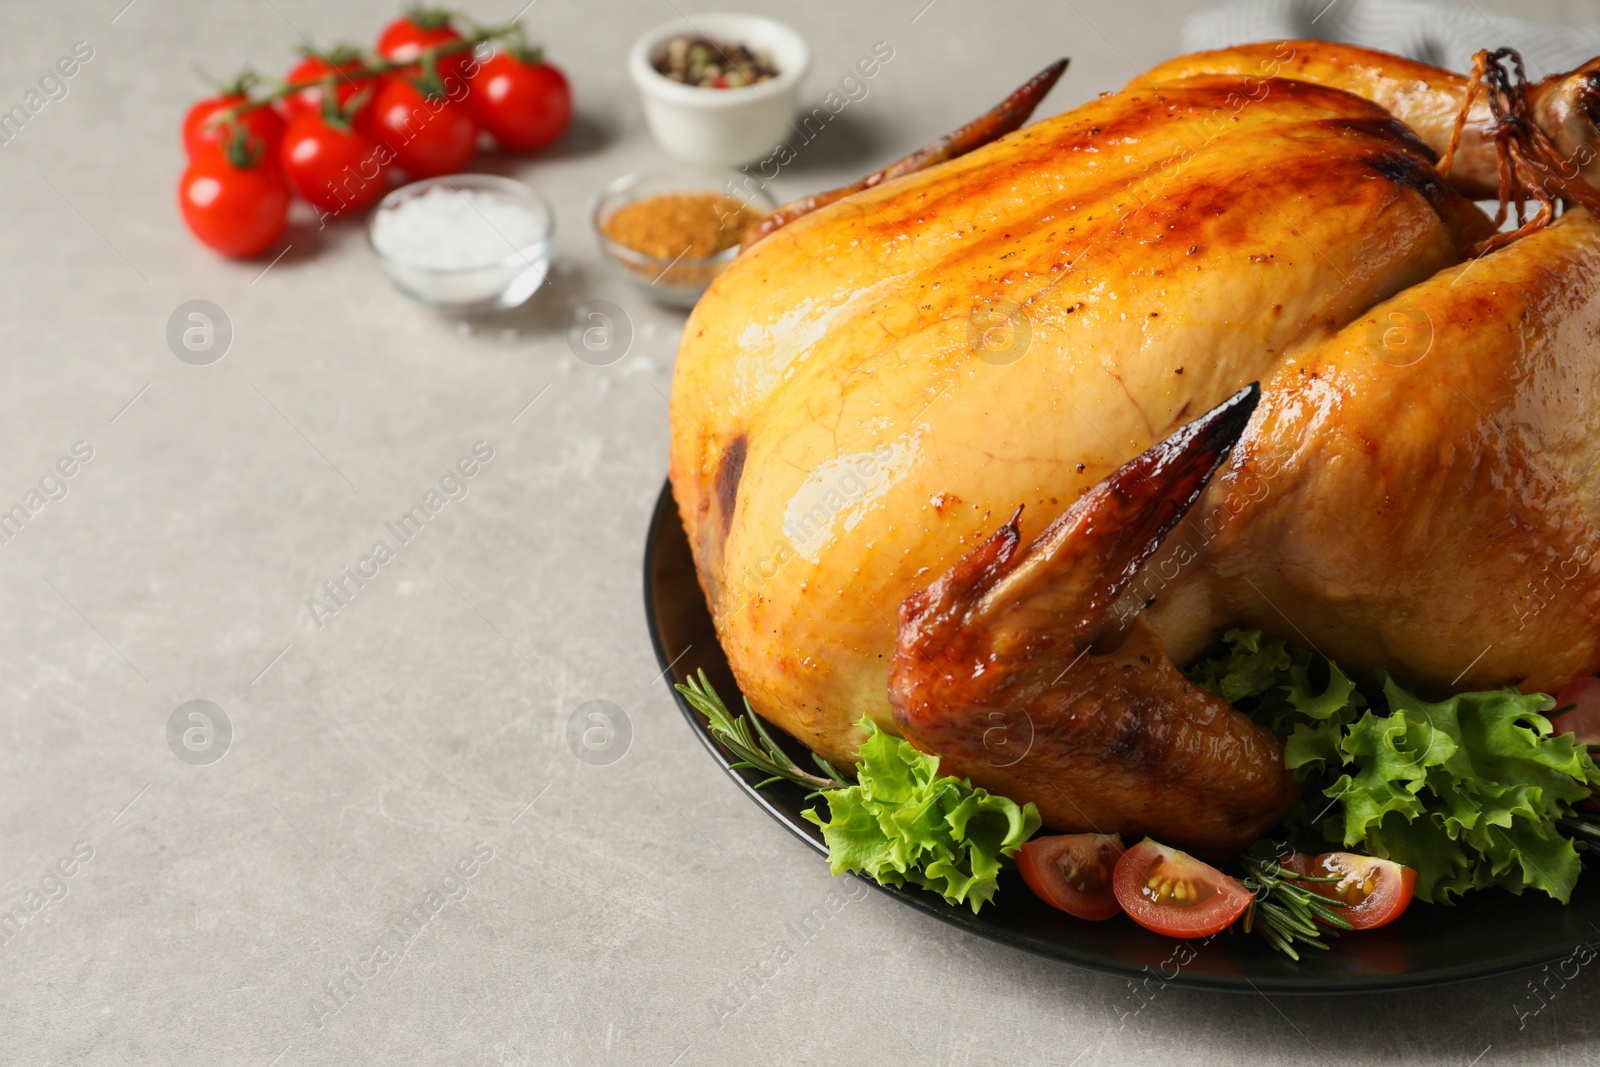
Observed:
{"x":467,"y":244}
{"x":452,"y":229}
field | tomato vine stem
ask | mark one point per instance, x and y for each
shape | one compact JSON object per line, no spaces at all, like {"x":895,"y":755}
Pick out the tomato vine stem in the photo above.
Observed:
{"x":425,"y":61}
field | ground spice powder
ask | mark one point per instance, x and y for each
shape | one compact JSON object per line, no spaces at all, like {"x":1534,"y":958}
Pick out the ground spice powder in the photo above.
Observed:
{"x":686,"y":225}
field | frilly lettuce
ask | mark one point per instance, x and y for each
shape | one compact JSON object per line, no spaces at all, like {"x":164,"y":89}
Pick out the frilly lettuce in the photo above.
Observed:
{"x":904,"y":822}
{"x":1466,"y":791}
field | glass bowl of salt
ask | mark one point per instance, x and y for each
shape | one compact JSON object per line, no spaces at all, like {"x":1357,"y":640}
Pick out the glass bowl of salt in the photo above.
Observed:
{"x":464,"y":244}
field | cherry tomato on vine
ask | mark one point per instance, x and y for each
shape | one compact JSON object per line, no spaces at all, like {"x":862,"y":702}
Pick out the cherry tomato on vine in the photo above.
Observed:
{"x":1377,"y":891}
{"x":405,"y":38}
{"x":1175,"y":894}
{"x":335,"y":166}
{"x":264,"y":125}
{"x":429,"y":135}
{"x":1581,"y":701}
{"x":338,"y":62}
{"x":1073,"y":872}
{"x":237,"y":208}
{"x":522,"y":101}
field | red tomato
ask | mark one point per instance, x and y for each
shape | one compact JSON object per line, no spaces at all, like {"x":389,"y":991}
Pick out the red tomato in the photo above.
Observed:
{"x":1377,"y":891}
{"x":1175,"y":894}
{"x":264,"y":125}
{"x":366,"y":119}
{"x":315,"y":67}
{"x":335,"y":169}
{"x":1297,"y":862}
{"x":430,"y":136}
{"x":1581,"y":699}
{"x":1073,"y":872}
{"x":405,"y":38}
{"x":524,"y":105}
{"x":239,"y":211}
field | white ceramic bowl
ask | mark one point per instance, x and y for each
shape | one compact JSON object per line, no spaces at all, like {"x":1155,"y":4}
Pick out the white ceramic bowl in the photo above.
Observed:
{"x":725,"y":127}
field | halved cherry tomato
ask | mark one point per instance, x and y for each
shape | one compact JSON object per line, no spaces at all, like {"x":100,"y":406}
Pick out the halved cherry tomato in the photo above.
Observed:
{"x":1297,"y":862}
{"x":239,"y":210}
{"x":1581,"y":699}
{"x":1175,"y":894}
{"x":429,"y":135}
{"x":1073,"y":872}
{"x":1377,"y":891}
{"x":405,"y":38}
{"x":335,"y":167}
{"x":522,"y":101}
{"x":264,"y":125}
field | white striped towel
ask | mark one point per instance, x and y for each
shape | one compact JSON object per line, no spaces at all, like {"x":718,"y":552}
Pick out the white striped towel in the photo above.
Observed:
{"x":1445,"y":35}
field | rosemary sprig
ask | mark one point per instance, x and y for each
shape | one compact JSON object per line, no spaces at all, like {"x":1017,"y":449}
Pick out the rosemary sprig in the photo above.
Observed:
{"x":1284,"y":911}
{"x":756,"y":750}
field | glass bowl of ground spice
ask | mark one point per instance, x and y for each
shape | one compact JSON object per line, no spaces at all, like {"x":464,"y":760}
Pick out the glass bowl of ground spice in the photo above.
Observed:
{"x":671,"y":232}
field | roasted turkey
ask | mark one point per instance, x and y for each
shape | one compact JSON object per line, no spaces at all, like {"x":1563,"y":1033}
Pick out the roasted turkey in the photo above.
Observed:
{"x":977,"y":449}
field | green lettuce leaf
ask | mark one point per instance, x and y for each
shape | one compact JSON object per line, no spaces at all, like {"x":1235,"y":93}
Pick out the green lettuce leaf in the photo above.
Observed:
{"x":903,"y":822}
{"x":1467,"y":791}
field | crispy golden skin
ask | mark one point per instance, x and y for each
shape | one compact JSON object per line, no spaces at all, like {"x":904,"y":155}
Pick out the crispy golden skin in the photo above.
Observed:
{"x":868,"y":392}
{"x":1412,"y":495}
{"x":996,"y":669}
{"x":1427,"y":99}
{"x":837,"y":438}
{"x":1421,"y":493}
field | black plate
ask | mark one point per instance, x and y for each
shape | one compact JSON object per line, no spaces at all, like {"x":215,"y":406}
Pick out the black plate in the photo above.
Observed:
{"x":1490,"y":933}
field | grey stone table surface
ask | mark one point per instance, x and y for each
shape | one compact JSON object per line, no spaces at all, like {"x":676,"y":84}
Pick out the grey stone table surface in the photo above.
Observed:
{"x":410,"y":749}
